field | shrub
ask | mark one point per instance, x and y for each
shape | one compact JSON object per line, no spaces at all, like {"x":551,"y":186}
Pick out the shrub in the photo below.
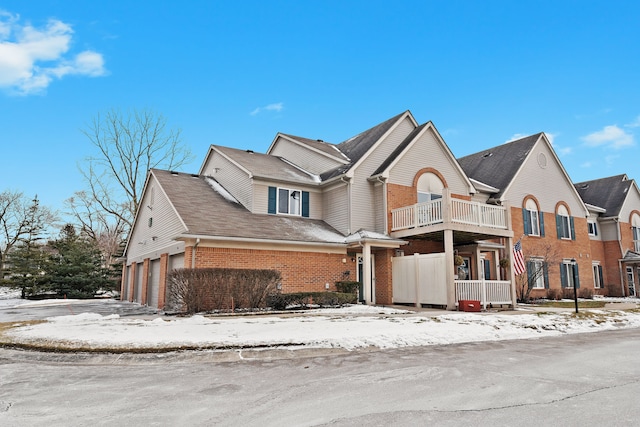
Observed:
{"x":585,"y":293}
{"x":567,"y":293}
{"x":347,"y":286}
{"x":206,"y":289}
{"x":554,"y":294}
{"x":305,"y":299}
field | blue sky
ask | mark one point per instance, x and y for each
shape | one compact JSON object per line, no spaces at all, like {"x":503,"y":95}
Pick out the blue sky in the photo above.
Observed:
{"x":236,"y":73}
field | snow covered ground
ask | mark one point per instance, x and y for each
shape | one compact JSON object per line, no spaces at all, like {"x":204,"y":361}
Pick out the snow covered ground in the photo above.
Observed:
{"x":347,"y":328}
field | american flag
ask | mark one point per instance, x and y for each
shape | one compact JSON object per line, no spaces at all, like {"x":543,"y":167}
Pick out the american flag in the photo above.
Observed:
{"x":518,"y":259}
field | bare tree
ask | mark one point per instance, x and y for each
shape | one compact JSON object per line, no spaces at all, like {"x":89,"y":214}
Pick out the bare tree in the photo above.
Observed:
{"x":537,"y":262}
{"x":21,"y":220}
{"x":127,"y":147}
{"x":107,"y":231}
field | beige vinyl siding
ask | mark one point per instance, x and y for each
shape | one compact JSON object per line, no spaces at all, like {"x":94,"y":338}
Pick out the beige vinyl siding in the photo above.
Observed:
{"x":261,"y":197}
{"x":428,"y":152}
{"x":235,"y":180}
{"x":549,"y":185}
{"x":303,"y":157}
{"x":631,"y":203}
{"x":608,"y":230}
{"x":362,"y":203}
{"x":149,"y":242}
{"x":336,"y":207}
{"x":379,"y":206}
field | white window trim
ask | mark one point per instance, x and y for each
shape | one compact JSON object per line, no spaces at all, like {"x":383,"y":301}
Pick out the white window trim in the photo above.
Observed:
{"x":289,"y":192}
{"x":569,"y":273}
{"x":532,"y":209}
{"x":538,"y":263}
{"x":593,"y":231}
{"x":596,"y":275}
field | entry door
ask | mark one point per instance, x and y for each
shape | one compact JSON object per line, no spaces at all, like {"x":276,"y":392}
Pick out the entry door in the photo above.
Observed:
{"x":360,"y":277}
{"x":630,"y":282}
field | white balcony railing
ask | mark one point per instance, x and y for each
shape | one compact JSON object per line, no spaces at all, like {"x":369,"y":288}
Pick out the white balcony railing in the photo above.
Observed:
{"x":461,"y":211}
{"x":487,"y":291}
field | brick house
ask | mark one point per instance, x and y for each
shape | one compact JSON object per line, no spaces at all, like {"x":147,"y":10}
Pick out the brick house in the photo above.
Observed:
{"x":390,"y":207}
{"x":548,"y":215}
{"x":614,"y":233}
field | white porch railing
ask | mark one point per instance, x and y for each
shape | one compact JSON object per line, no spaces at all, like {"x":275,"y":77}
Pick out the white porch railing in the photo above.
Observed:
{"x":462,"y":212}
{"x":493,"y":291}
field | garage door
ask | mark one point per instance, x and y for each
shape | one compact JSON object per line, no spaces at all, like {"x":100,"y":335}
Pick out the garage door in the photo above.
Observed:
{"x":137,"y":286}
{"x":154,"y":284}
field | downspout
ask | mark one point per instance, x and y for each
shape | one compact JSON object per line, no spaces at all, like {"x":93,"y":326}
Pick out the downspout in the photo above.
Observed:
{"x":193,"y":253}
{"x":619,"y":237}
{"x":385,"y":224}
{"x":348,"y":182}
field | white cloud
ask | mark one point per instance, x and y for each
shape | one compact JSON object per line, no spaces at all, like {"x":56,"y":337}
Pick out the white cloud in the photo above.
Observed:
{"x":31,"y":58}
{"x":515,"y":137}
{"x":610,"y":160}
{"x":563,"y":151}
{"x":610,"y":136}
{"x":586,"y":165}
{"x":634,"y":124}
{"x":277,"y":107}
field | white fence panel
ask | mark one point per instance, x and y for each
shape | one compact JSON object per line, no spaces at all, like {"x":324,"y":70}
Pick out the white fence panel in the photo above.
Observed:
{"x":420,"y":279}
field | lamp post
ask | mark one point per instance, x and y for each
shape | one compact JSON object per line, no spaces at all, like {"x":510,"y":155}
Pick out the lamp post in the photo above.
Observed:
{"x":574,"y":272}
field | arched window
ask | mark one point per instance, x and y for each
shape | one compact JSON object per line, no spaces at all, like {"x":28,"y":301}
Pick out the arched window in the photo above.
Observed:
{"x":533,"y":219}
{"x":635,"y":226}
{"x":429,"y":187}
{"x":564,"y":223}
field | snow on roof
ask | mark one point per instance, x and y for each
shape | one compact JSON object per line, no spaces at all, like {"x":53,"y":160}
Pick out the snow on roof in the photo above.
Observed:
{"x":220,"y":189}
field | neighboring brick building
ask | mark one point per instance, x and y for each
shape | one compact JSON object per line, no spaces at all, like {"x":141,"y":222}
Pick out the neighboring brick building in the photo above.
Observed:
{"x":614,"y":232}
{"x":391,"y":208}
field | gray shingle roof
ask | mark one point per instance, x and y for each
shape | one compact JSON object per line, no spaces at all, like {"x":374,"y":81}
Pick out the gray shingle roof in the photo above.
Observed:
{"x":497,"y":166}
{"x":267,"y":166}
{"x":356,"y":147}
{"x":608,"y":193}
{"x":208,"y":213}
{"x":325,"y":147}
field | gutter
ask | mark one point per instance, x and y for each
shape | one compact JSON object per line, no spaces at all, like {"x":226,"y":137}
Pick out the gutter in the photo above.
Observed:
{"x":200,"y":237}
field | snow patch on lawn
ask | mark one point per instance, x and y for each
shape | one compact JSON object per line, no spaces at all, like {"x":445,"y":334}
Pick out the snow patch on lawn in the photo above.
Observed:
{"x":348,"y":328}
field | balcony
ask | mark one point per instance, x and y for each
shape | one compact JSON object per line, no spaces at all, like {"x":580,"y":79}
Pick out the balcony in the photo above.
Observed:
{"x":452,"y":213}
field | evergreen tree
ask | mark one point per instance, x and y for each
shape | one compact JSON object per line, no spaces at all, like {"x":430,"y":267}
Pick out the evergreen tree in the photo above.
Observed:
{"x":75,"y":269}
{"x":27,"y":262}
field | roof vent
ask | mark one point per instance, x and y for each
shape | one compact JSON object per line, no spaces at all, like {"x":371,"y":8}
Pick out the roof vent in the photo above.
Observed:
{"x":250,"y":151}
{"x":487,"y":155}
{"x":174,"y":173}
{"x":195,"y":175}
{"x":584,"y":186}
{"x":319,"y":140}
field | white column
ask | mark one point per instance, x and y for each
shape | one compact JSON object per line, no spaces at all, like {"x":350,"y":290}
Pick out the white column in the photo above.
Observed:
{"x":511,"y":275}
{"x":366,"y":273}
{"x":448,"y":257}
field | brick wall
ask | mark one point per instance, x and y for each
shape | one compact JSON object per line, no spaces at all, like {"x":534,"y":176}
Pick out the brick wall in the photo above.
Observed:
{"x":384,"y":278}
{"x":301,"y":271}
{"x":559,"y":249}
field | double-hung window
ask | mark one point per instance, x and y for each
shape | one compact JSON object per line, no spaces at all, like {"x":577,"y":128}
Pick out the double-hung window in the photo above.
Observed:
{"x":635,"y":227}
{"x":564,"y":224}
{"x":287,"y":201}
{"x":533,"y":219}
{"x":537,"y":273}
{"x":567,"y":278}
{"x":593,"y":228}
{"x":598,"y":279}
